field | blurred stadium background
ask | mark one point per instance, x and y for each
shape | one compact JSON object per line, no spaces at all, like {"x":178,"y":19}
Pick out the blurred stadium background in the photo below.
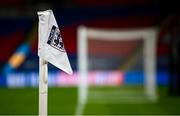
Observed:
{"x":19,"y":63}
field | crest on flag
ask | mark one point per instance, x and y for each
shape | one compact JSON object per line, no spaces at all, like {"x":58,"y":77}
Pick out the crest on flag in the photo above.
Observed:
{"x":50,"y":45}
{"x":55,"y":39}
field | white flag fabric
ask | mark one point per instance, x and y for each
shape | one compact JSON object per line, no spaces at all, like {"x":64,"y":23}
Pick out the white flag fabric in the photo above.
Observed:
{"x":50,"y":45}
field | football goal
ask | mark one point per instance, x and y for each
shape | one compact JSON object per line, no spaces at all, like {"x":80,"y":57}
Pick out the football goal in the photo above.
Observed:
{"x":116,"y":52}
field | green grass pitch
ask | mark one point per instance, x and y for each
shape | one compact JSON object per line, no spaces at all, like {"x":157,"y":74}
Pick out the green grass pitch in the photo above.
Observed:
{"x":64,"y":100}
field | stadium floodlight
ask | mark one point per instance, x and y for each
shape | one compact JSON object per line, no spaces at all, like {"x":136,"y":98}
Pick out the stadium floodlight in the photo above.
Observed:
{"x":147,"y":35}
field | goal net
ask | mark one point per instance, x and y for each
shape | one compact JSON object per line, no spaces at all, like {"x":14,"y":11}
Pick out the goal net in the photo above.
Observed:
{"x":116,"y":59}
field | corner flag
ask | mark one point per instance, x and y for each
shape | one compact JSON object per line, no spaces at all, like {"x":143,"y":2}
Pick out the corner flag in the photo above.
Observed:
{"x":51,"y":47}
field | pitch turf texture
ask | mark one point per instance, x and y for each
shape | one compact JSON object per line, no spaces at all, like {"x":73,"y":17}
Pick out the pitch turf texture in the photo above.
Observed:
{"x":64,"y":101}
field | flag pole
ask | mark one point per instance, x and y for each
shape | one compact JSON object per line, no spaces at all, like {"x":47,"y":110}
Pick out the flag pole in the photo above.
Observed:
{"x":43,"y":86}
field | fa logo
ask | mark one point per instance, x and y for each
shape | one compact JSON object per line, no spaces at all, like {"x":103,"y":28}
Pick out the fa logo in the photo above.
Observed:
{"x":55,"y":39}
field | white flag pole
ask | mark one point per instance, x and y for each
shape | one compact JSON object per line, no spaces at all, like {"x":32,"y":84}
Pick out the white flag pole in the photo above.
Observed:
{"x":43,"y":86}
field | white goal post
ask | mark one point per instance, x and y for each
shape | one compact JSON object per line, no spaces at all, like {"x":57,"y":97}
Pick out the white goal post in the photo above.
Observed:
{"x":149,"y":37}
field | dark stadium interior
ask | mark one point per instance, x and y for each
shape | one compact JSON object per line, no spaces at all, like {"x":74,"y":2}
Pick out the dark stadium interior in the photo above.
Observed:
{"x":19,"y":32}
